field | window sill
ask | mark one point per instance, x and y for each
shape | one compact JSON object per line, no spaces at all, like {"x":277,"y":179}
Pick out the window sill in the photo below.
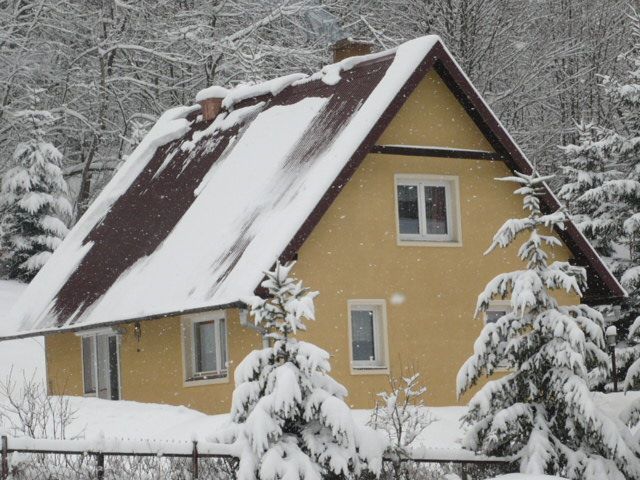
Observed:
{"x":201,"y":381}
{"x":369,"y":370}
{"x":428,"y":243}
{"x":502,"y":369}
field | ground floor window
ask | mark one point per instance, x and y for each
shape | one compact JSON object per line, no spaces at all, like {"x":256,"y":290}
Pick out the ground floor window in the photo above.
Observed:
{"x":101,"y":366}
{"x":368,"y":335}
{"x":497,"y":309}
{"x":205,"y":347}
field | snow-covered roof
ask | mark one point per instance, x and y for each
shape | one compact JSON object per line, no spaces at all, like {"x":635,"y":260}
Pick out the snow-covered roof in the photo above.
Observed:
{"x":200,"y":209}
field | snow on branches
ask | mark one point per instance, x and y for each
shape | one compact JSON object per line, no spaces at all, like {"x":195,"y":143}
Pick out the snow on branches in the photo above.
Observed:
{"x":34,"y":204}
{"x":542,"y":412}
{"x":402,"y":416}
{"x":603,"y":191}
{"x":289,"y":417}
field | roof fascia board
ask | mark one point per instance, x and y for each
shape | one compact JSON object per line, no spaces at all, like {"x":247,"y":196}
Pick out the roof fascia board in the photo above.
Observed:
{"x":107,"y":325}
{"x":440,"y":152}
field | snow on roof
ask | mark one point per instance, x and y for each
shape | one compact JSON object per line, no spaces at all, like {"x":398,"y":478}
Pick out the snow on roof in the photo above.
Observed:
{"x":200,"y":210}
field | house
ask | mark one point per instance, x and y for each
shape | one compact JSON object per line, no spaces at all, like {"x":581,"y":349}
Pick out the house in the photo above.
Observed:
{"x":376,"y":174}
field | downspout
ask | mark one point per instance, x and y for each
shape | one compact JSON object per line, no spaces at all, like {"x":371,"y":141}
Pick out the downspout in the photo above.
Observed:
{"x":244,"y":321}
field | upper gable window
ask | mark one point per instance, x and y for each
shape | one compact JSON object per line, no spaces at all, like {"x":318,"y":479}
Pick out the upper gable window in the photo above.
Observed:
{"x":427,"y":208}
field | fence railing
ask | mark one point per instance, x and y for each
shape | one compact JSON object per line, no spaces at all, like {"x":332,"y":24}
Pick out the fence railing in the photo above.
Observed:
{"x":194,"y":451}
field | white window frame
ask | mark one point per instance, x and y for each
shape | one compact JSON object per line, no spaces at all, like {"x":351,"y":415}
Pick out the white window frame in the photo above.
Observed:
{"x":380,"y":365}
{"x":452,"y":198}
{"x":190,"y":374}
{"x":498,"y":306}
{"x":93,"y":335}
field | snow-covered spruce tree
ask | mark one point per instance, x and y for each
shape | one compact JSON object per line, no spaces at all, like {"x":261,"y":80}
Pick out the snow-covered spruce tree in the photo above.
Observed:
{"x":542,"y":412}
{"x":589,"y":167}
{"x":33,"y":202}
{"x":608,"y":204}
{"x":289,"y":417}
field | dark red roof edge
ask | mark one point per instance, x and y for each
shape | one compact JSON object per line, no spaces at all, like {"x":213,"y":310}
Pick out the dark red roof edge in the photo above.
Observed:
{"x":440,"y":59}
{"x":114,"y":323}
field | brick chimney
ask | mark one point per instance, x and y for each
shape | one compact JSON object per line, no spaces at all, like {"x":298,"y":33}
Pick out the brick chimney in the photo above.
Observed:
{"x":210,"y":100}
{"x":210,"y":108}
{"x":350,"y":47}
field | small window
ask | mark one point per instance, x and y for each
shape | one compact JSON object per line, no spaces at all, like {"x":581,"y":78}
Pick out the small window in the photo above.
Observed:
{"x":368,"y":335}
{"x":101,"y":366}
{"x":426,"y":208}
{"x":496,"y":310}
{"x":205,"y":347}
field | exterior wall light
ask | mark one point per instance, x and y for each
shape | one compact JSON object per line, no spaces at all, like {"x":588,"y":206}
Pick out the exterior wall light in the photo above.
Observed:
{"x":137,"y":333}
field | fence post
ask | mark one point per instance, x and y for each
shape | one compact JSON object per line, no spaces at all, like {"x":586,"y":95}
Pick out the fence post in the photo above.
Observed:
{"x":4,"y":472}
{"x":194,"y":460}
{"x":100,"y":466}
{"x":463,"y":471}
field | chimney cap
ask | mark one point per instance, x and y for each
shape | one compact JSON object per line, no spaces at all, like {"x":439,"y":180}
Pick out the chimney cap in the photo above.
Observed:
{"x":350,"y":41}
{"x":350,"y":47}
{"x":210,"y":100}
{"x":214,"y":91}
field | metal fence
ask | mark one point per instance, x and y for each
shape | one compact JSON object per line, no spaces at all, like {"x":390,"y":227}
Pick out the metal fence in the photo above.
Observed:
{"x":173,"y":460}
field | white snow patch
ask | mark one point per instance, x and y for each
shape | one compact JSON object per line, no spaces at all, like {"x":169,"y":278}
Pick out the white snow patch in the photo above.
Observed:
{"x":398,"y":298}
{"x":526,"y":476}
{"x":272,"y":87}
{"x":105,"y":419}
{"x":213,"y":91}
{"x":22,"y":358}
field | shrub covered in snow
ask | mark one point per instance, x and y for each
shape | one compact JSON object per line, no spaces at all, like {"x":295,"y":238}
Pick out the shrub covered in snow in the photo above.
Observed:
{"x":290,"y":419}
{"x":542,"y":411}
{"x":34,"y":203}
{"x":402,"y":416}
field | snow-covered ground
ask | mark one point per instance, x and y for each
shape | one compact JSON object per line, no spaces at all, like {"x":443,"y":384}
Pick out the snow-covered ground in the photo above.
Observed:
{"x":522,"y":476}
{"x":22,"y":356}
{"x":133,"y":420}
{"x":95,"y":418}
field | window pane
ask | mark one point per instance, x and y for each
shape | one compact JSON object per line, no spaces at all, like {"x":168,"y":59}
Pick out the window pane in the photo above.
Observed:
{"x":492,"y":316}
{"x":435,"y":200}
{"x":104,"y":377}
{"x":362,"y":335}
{"x":205,"y":346}
{"x":88,"y":364}
{"x":408,"y":209}
{"x":223,"y":343}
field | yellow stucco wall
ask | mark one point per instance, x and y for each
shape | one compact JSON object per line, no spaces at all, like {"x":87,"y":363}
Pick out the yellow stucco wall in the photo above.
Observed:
{"x":353,"y":254}
{"x":155,"y":372}
{"x":432,"y":116}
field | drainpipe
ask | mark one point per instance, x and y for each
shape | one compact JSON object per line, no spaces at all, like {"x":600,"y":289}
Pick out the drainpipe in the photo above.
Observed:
{"x":244,"y":321}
